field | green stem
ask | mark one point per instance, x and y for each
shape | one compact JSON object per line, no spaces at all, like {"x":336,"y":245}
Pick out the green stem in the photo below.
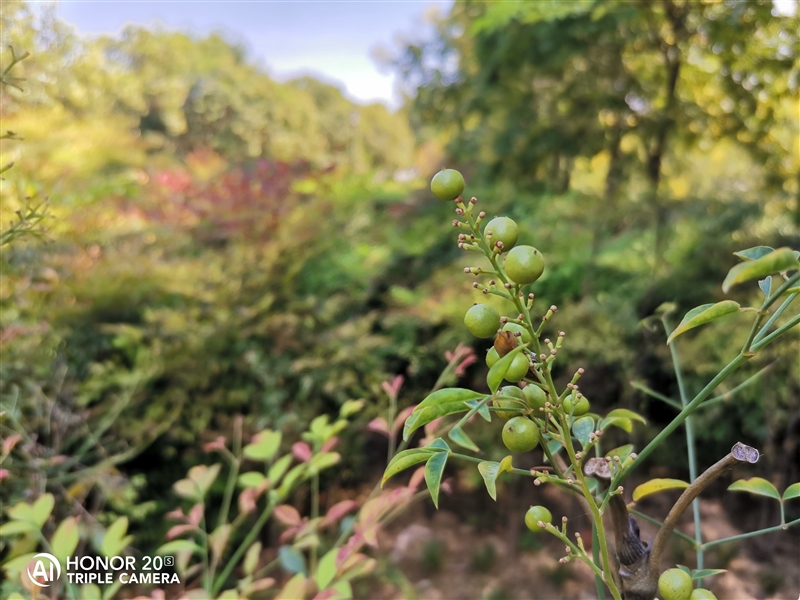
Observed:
{"x":314,"y":515}
{"x":777,"y":333}
{"x":650,"y":392}
{"x":750,"y":534}
{"x":690,"y":444}
{"x":775,"y":316}
{"x":251,"y":536}
{"x":598,"y":581}
{"x":206,"y":562}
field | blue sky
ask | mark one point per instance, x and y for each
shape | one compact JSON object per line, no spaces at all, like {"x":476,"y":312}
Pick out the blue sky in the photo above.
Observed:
{"x":332,"y":40}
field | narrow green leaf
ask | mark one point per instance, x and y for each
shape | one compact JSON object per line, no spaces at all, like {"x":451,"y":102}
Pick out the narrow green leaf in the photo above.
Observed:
{"x":65,"y":539}
{"x":277,"y":470}
{"x":90,"y":591}
{"x":42,"y":508}
{"x":350,"y":407}
{"x":782,"y":259}
{"x":431,"y":413}
{"x":793,"y":491}
{"x":483,"y":411}
{"x":17,"y":527}
{"x":625,"y":414}
{"x":114,"y":540}
{"x":410,"y":425}
{"x":753,"y":253}
{"x":403,"y":460}
{"x":703,"y":573}
{"x":326,"y":570}
{"x":621,"y":422}
{"x":16,"y":564}
{"x":462,"y":439}
{"x":294,"y":588}
{"x":251,"y":558}
{"x":324,"y":460}
{"x":250,"y":479}
{"x":582,"y":428}
{"x":447,"y":396}
{"x":657,"y":485}
{"x":295,"y":473}
{"x":755,"y":485}
{"x":498,"y":371}
{"x":489,"y":470}
{"x":179,"y":546}
{"x":704,"y":314}
{"x":434,"y":469}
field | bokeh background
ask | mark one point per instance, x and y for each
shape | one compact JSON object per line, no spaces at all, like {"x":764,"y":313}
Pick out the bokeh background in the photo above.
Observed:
{"x":238,"y":223}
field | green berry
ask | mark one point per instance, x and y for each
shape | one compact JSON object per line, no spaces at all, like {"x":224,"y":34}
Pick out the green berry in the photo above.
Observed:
{"x":536,"y":514}
{"x":518,"y":368}
{"x":501,"y":229}
{"x":525,"y":336}
{"x":675,"y":584}
{"x":581,"y":406}
{"x":524,"y":264}
{"x":702,"y":594}
{"x":535,"y":396}
{"x":482,"y":320}
{"x":447,"y":184}
{"x":513,"y":392}
{"x":492,"y":357}
{"x":520,"y":434}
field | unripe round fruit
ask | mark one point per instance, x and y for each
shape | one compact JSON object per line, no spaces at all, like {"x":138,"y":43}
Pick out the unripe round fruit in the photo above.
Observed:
{"x":535,"y":396}
{"x":524,"y":264}
{"x":514,"y":392}
{"x":675,"y":584}
{"x":581,"y":406}
{"x":536,"y":514}
{"x":492,"y":357}
{"x":525,"y":336}
{"x":520,"y":434}
{"x":702,"y":594}
{"x":518,"y":368}
{"x":501,"y":229}
{"x":482,"y":320}
{"x":447,"y":184}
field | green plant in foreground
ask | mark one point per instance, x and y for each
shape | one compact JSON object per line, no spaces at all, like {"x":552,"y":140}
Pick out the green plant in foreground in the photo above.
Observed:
{"x":561,"y":423}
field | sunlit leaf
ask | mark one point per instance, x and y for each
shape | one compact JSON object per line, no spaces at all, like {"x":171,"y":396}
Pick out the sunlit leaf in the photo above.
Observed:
{"x":326,"y":569}
{"x":702,"y":315}
{"x":703,"y":573}
{"x":277,"y":470}
{"x":755,"y":485}
{"x":264,"y":445}
{"x":779,"y":260}
{"x":403,"y":460}
{"x":434,"y":469}
{"x":115,"y":540}
{"x":498,"y":371}
{"x":622,"y":451}
{"x":447,"y":396}
{"x":657,"y":485}
{"x":250,"y":479}
{"x":793,"y":491}
{"x":179,"y":546}
{"x":65,"y":539}
{"x":431,"y":413}
{"x":294,"y":588}
{"x":17,"y":527}
{"x":490,"y":471}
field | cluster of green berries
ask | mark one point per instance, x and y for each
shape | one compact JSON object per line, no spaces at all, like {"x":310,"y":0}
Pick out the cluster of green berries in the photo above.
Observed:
{"x":676,"y":584}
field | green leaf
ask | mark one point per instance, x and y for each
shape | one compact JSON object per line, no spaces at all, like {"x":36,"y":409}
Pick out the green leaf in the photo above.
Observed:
{"x":292,"y":560}
{"x":755,"y":485}
{"x":42,"y":509}
{"x":431,"y":413}
{"x":291,"y":478}
{"x":765,"y":285}
{"x":264,"y":446}
{"x":779,"y":260}
{"x":626,"y":414}
{"x":703,"y":573}
{"x":277,"y":470}
{"x":704,"y":314}
{"x":326,"y":570}
{"x":250,"y":479}
{"x":582,"y":428}
{"x":65,"y":539}
{"x":621,"y":422}
{"x":657,"y":485}
{"x":179,"y":546}
{"x":447,"y":396}
{"x":324,"y":460}
{"x":462,"y":439}
{"x":115,"y":540}
{"x":16,"y":564}
{"x":251,"y":558}
{"x":438,"y":445}
{"x":490,"y":471}
{"x":434,"y":469}
{"x":622,"y":451}
{"x":198,"y":481}
{"x":350,"y":407}
{"x":403,"y":460}
{"x":793,"y":491}
{"x":17,"y":527}
{"x":753,"y":253}
{"x":498,"y":371}
{"x":295,"y":588}
{"x":483,"y":411}
{"x":90,"y":591}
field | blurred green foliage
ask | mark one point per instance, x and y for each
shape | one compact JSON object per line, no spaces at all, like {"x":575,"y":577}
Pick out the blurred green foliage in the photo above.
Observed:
{"x":221,"y":244}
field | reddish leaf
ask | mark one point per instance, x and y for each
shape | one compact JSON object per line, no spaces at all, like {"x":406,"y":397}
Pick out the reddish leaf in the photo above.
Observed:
{"x":196,"y":514}
{"x":302,"y":452}
{"x":287,"y":515}
{"x":378,"y":425}
{"x":179,"y":530}
{"x":329,"y":445}
{"x":338,"y":510}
